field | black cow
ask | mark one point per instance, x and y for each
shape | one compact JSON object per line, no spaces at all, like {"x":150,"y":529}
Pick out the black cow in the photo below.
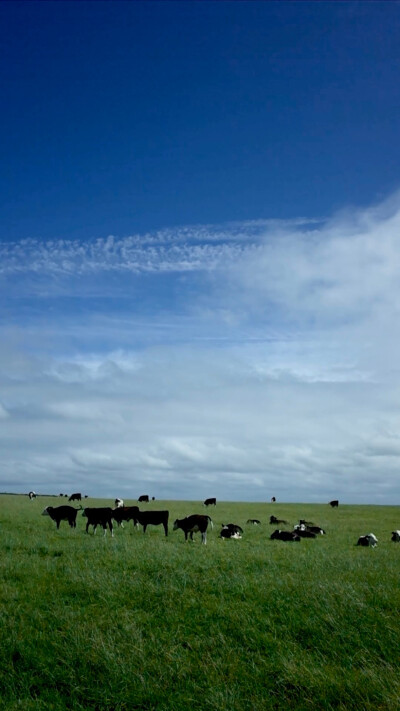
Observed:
{"x":279,"y":535}
{"x":62,"y":513}
{"x":193,"y":524}
{"x":153,"y":518}
{"x":273,"y":499}
{"x":254,"y":521}
{"x":125,"y":513}
{"x":75,"y":497}
{"x":304,"y":533}
{"x":274,"y":520}
{"x":144,"y":499}
{"x":99,"y":517}
{"x":210,"y":502}
{"x":334,"y":503}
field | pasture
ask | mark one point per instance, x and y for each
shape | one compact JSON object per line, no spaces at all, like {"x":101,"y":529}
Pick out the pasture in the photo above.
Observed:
{"x":93,"y":623}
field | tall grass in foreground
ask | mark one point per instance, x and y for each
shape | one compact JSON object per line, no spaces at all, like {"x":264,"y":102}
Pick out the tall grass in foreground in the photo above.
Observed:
{"x":146,"y":622}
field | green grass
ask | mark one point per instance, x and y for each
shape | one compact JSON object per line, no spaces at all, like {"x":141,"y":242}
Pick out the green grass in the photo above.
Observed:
{"x":146,"y":622}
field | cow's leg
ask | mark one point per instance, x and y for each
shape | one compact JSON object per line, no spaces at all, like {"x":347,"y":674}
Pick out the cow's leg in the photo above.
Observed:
{"x":166,"y":528}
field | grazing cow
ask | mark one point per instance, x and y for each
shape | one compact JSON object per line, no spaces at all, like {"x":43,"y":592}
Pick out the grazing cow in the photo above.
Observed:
{"x":334,"y":503}
{"x":368,"y":540}
{"x":229,"y":533}
{"x":273,"y":519}
{"x":254,"y":521}
{"x":154,"y":518}
{"x":232,"y":527}
{"x":210,"y":502}
{"x":125,"y":513}
{"x":62,"y":513}
{"x":99,"y":517}
{"x":119,"y":503}
{"x":396,"y":536}
{"x":144,"y":499}
{"x":193,"y":524}
{"x":75,"y":497}
{"x":279,"y":535}
{"x":32,"y":495}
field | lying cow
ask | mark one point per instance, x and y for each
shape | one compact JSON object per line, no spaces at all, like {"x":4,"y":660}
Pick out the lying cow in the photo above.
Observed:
{"x":99,"y":517}
{"x":153,"y":518}
{"x":304,"y":533}
{"x":232,"y":527}
{"x":317,"y":530}
{"x":279,"y":535}
{"x":62,"y":513}
{"x":368,"y":540}
{"x":396,"y":536}
{"x":254,"y":521}
{"x":194,"y":524}
{"x":276,"y":521}
{"x":229,"y":533}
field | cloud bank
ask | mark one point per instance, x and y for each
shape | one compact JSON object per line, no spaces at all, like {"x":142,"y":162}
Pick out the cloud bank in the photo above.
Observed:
{"x":239,"y":361}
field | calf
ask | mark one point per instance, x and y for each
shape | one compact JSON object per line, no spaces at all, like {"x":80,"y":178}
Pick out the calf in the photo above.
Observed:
{"x":368,"y":540}
{"x":279,"y":535}
{"x":210,"y":502}
{"x":155,"y":518}
{"x":144,"y":499}
{"x":99,"y":517}
{"x":32,"y":495}
{"x":193,"y":524}
{"x":62,"y":513}
{"x":396,"y":536}
{"x":273,"y":519}
{"x":254,"y":521}
{"x":75,"y":497}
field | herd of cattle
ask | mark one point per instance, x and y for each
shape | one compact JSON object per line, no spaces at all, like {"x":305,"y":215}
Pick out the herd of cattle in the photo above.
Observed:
{"x":196,"y":523}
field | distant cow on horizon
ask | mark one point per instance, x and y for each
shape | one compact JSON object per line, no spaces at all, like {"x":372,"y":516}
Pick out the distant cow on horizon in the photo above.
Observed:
{"x":75,"y":497}
{"x":32,"y":495}
{"x":144,"y":499}
{"x":210,"y":502}
{"x":334,"y":503}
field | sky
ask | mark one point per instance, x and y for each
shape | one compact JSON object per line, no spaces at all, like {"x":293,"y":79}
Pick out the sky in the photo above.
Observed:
{"x":200,"y":250}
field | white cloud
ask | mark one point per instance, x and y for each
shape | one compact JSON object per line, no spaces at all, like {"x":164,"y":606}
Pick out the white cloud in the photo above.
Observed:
{"x":270,"y":367}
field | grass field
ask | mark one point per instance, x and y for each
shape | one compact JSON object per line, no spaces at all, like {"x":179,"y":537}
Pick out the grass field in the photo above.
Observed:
{"x":92,"y":623}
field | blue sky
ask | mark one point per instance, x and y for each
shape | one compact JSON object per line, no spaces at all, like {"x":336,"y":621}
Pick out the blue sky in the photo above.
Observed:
{"x":199,"y":249}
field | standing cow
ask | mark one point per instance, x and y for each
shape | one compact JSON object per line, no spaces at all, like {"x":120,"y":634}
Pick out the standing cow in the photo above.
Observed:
{"x":75,"y":497}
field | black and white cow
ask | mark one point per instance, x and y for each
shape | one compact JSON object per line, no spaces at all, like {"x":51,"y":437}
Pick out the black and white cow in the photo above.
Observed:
{"x":317,"y":530}
{"x":254,"y":521}
{"x":32,"y":495}
{"x":231,"y":530}
{"x":368,"y":540}
{"x":99,"y":517}
{"x":279,"y":535}
{"x":118,"y":503}
{"x":395,"y":536}
{"x":197,"y":523}
{"x":62,"y":513}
